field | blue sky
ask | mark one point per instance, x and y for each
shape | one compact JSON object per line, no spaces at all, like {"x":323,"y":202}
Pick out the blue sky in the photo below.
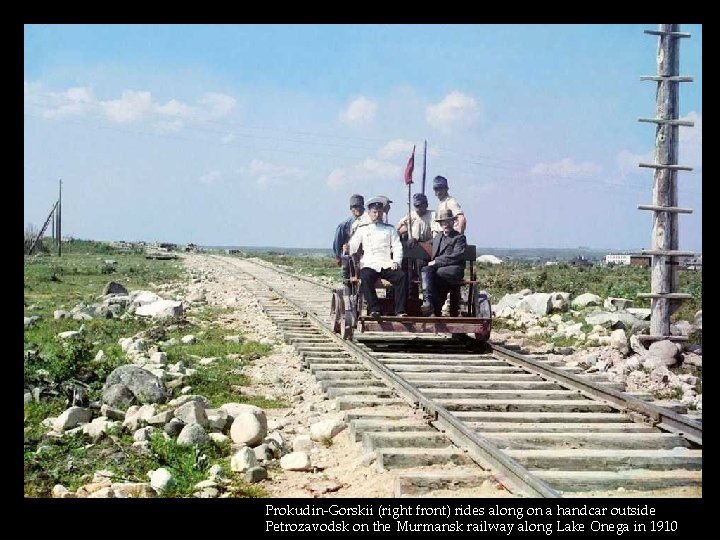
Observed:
{"x":258,"y":134}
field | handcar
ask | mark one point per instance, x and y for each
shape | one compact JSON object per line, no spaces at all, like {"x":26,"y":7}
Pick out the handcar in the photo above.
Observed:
{"x":474,"y":318}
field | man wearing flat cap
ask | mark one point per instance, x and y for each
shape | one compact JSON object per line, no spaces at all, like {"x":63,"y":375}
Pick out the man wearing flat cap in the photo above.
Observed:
{"x":440,"y":187}
{"x":382,"y":255}
{"x":446,"y":269}
{"x":344,"y":231}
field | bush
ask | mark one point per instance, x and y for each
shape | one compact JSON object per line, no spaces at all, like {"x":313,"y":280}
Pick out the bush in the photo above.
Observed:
{"x":61,"y":360}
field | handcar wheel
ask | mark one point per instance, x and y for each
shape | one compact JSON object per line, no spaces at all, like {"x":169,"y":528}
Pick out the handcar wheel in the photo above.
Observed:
{"x":346,"y":327}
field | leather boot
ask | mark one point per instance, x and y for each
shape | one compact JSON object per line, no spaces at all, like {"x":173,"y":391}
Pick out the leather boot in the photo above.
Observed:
{"x":427,"y":305}
{"x":454,"y":302}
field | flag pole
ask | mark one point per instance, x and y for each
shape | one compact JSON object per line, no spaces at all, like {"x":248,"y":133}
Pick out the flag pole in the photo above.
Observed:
{"x":408,"y":181}
{"x":424,"y":166}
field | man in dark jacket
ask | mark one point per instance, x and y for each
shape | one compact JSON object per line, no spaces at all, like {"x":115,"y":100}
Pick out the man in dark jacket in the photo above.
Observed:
{"x":344,"y":231}
{"x":446,"y":268}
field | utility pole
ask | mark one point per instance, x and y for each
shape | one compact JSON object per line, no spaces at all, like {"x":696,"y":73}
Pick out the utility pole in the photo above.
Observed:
{"x":664,"y":279}
{"x":59,"y":219}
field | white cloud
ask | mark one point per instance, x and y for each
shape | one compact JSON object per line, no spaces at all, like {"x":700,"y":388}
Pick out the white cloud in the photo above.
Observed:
{"x":175,"y":108}
{"x":266,"y":174}
{"x":218,"y":104}
{"x":131,"y":106}
{"x":398,"y":147}
{"x":227,"y":139}
{"x":565,"y":168}
{"x":368,"y":170}
{"x":74,"y":101}
{"x":210,"y":177}
{"x":360,"y":111}
{"x":169,"y":126}
{"x":337,"y":178}
{"x":455,"y":110}
{"x":628,"y":161}
{"x":388,"y":164}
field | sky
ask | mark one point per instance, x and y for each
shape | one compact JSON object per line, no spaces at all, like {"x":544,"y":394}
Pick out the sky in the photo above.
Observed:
{"x":257,"y":135}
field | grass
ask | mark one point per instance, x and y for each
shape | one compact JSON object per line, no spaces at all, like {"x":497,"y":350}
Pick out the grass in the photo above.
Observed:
{"x":312,"y":266}
{"x":618,"y":281}
{"x":52,"y":283}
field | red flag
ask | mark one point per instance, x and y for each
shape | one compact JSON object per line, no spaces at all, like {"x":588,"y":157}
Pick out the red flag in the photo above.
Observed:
{"x":409,"y":168}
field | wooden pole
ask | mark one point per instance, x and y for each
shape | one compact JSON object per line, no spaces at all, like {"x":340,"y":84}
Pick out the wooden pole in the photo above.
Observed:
{"x":424,"y":166}
{"x":664,"y":278}
{"x":59,"y":219}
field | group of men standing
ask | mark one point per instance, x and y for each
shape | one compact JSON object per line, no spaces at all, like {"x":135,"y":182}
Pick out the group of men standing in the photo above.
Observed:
{"x":375,"y":246}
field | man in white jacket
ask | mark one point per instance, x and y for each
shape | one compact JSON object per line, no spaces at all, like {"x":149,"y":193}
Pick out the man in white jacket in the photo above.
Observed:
{"x":382,"y":255}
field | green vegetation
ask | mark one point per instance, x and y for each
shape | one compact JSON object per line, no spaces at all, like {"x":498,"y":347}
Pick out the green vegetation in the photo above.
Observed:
{"x":51,"y":365}
{"x":617,"y":281}
{"x":313,"y":266}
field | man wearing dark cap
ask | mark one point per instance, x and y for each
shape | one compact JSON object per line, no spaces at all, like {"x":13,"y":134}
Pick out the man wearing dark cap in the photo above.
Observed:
{"x":344,"y":231}
{"x":440,"y":187}
{"x":382,"y":255}
{"x":420,"y":221}
{"x":446,"y":268}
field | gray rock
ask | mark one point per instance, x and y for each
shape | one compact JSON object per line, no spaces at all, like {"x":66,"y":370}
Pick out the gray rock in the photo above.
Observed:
{"x":263,"y":452}
{"x":146,"y":387}
{"x":161,"y":479}
{"x":174,"y":427}
{"x":243,"y":460}
{"x":113,"y":287}
{"x":585,"y":300}
{"x":118,"y":396}
{"x":192,"y":412}
{"x":72,"y":417}
{"x":297,"y":461}
{"x":192,"y":435}
{"x":617,"y":304}
{"x":255,"y":474}
{"x":248,"y":429}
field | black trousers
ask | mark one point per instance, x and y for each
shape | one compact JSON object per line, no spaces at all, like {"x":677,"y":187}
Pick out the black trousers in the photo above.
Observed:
{"x":368,"y":278}
{"x":441,"y":280}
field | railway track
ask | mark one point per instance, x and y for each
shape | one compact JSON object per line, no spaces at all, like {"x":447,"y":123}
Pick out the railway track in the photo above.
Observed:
{"x":455,"y":415}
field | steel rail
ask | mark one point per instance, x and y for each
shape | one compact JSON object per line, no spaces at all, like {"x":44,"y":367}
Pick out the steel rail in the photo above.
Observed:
{"x":660,"y":417}
{"x":482,"y":451}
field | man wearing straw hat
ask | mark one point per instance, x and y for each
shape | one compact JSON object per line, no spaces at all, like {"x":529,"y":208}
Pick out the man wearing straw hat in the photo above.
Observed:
{"x":446,"y":268}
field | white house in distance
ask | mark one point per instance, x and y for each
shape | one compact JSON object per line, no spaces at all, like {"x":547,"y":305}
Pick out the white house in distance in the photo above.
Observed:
{"x":489,"y":259}
{"x":627,"y":258}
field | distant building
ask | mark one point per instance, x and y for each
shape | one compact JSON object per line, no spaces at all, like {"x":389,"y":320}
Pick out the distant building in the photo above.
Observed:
{"x":640,"y":260}
{"x":628,"y":259}
{"x":580,"y":261}
{"x":490,"y":259}
{"x":691,"y":263}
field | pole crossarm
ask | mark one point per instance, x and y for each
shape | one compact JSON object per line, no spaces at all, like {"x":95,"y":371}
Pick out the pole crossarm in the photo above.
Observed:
{"x":667,"y":253}
{"x":671,"y":296}
{"x":672,"y":209}
{"x":686,"y":123}
{"x":669,"y":34}
{"x":661,"y":166}
{"x":669,"y":78}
